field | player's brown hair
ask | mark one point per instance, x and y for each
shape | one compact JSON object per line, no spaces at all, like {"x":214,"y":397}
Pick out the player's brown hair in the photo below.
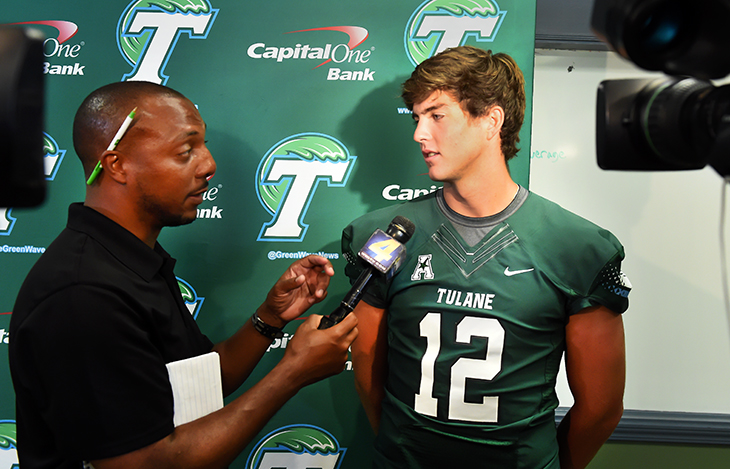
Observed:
{"x":478,"y":80}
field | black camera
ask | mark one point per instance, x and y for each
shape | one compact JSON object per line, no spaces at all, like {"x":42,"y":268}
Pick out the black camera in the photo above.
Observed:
{"x":678,"y":122}
{"x":22,"y":178}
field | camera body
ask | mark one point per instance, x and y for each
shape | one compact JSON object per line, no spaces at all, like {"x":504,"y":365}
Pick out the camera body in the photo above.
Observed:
{"x":22,"y":97}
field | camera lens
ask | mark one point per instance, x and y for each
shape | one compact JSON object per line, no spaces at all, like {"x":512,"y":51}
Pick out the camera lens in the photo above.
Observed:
{"x":673,"y":36}
{"x":660,"y":31}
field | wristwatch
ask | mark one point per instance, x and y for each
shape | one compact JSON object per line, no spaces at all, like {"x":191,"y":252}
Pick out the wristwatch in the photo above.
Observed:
{"x":270,"y":332}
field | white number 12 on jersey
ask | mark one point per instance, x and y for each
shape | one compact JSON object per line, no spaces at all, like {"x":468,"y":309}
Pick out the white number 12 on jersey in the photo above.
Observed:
{"x":485,"y":369}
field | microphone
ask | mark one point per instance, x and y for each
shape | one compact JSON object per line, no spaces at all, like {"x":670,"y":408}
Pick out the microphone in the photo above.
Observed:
{"x":384,"y":251}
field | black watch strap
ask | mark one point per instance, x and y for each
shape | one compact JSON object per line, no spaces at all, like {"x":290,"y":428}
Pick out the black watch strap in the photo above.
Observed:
{"x":270,"y":332}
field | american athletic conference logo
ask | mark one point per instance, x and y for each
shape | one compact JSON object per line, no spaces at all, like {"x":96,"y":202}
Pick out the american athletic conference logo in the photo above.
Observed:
{"x":439,"y":24}
{"x":52,"y":158}
{"x":297,"y":446}
{"x":148,"y":32}
{"x":287,"y":178}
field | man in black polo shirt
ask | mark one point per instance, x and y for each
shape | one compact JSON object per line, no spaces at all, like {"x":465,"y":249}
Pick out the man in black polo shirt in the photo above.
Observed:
{"x":100,"y":314}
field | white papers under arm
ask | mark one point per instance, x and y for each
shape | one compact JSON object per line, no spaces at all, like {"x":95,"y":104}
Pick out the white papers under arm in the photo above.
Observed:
{"x":197,"y":388}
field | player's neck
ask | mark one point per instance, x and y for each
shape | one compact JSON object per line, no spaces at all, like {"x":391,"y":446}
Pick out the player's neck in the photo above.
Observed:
{"x":481,"y":197}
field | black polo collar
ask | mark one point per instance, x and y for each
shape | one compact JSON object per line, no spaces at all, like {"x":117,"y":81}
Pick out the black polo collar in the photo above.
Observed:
{"x":120,"y":242}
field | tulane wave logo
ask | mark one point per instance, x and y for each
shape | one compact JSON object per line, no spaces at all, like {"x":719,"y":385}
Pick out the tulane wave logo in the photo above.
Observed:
{"x":8,"y":445}
{"x":148,"y":32}
{"x":297,"y":446}
{"x":439,"y":24}
{"x":287,"y":178}
{"x":190,"y":297}
{"x":52,"y":158}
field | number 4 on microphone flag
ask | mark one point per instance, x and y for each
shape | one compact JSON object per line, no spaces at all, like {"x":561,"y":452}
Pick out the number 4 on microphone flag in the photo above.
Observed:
{"x":383,"y":252}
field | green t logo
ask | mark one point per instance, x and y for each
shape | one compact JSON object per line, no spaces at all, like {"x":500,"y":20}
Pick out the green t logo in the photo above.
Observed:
{"x":439,"y":24}
{"x":288,"y":176}
{"x":149,"y":30}
{"x":297,"y":447}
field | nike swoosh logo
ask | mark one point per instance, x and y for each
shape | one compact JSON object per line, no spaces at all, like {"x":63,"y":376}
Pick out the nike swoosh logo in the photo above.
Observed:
{"x":510,"y":273}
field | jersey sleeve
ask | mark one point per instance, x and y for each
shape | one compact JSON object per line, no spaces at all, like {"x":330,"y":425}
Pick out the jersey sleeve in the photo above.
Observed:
{"x":610,"y":288}
{"x":581,"y":258}
{"x":591,"y":274}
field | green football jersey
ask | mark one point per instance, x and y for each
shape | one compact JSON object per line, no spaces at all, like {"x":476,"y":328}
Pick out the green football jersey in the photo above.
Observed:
{"x":476,"y":333}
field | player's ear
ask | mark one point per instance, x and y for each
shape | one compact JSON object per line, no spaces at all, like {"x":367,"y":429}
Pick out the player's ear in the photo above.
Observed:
{"x":493,"y":121}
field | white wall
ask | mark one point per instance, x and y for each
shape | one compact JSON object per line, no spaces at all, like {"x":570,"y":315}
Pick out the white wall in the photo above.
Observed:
{"x":678,"y":347}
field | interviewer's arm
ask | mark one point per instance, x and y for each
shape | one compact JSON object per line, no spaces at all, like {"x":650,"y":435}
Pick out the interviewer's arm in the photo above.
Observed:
{"x":303,"y":284}
{"x":215,"y":440}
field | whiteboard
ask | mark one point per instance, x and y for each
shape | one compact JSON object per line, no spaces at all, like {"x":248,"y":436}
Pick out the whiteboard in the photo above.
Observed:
{"x":677,"y":334}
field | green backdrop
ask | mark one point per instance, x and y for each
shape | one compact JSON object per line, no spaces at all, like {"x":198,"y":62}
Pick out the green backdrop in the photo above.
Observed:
{"x":306,"y":126}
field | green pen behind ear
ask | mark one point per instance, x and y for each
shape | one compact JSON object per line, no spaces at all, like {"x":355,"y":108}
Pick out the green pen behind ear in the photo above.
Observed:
{"x":112,"y":145}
